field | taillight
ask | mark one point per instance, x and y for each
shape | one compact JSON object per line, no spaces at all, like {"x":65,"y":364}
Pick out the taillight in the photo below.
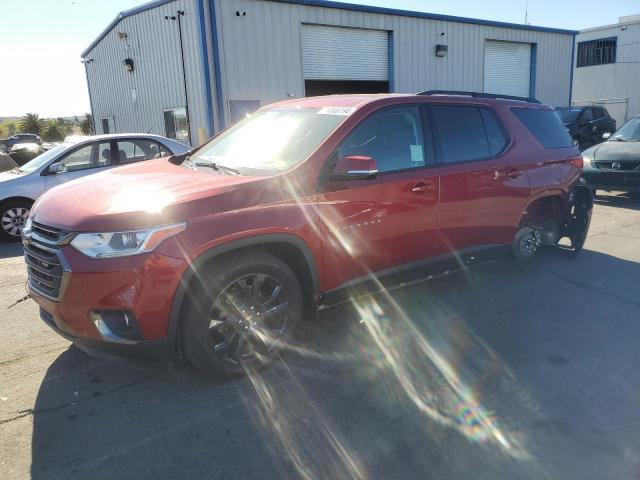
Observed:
{"x":577,"y":162}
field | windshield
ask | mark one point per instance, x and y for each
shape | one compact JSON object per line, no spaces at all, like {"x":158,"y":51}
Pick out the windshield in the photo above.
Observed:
{"x":42,"y":159}
{"x":270,"y":141}
{"x":568,"y":115}
{"x":629,"y":132}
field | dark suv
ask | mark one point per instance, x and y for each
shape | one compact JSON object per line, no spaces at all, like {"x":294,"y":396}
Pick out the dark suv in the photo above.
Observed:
{"x":586,"y":125}
{"x":218,"y":254}
{"x":24,"y":138}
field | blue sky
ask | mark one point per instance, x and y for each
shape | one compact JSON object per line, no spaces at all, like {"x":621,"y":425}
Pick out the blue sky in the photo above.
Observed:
{"x":41,"y":40}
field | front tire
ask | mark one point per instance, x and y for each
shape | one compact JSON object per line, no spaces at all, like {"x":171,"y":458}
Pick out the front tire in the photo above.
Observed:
{"x":13,"y":215}
{"x":242,"y":309}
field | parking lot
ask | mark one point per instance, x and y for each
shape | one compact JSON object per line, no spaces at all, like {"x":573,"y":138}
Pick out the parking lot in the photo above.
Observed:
{"x":504,"y":371}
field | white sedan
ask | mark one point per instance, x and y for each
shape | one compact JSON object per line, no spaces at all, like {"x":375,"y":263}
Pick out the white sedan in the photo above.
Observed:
{"x":76,"y":158}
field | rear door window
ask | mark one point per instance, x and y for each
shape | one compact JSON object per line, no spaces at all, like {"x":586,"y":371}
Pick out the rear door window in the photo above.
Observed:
{"x":467,"y":133}
{"x":545,"y":126}
{"x":495,"y":134}
{"x":137,"y":150}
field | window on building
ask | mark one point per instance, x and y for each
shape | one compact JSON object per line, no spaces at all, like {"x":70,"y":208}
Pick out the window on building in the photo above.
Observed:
{"x":176,"y":124}
{"x":468,"y":133}
{"x":105,"y":126}
{"x":597,"y":52}
{"x":392,"y":137}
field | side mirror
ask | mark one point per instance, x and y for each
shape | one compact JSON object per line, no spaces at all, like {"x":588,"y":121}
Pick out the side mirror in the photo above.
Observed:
{"x":606,"y":136}
{"x":55,"y":168}
{"x":355,"y":167}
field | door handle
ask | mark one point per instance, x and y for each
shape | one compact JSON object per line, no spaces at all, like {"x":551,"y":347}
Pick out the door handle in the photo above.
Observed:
{"x":422,"y":187}
{"x":513,"y":173}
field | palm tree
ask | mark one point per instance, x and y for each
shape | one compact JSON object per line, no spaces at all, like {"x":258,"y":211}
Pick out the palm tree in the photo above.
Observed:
{"x":31,"y":123}
{"x":65,"y":126}
{"x":86,"y":126}
{"x":51,"y":132}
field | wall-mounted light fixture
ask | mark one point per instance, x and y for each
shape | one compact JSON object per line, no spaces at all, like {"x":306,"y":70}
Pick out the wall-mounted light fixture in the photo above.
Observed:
{"x":441,"y":47}
{"x":127,"y":63}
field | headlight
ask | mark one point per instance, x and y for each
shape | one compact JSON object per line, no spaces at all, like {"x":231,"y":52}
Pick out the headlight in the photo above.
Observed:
{"x":27,"y":226}
{"x":121,"y":244}
{"x":587,"y":162}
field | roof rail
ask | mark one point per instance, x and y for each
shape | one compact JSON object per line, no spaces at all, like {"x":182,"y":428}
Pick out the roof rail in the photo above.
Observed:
{"x":479,"y":95}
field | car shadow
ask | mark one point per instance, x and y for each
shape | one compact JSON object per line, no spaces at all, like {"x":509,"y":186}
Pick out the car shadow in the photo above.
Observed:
{"x":11,"y":249}
{"x":506,"y":370}
{"x":626,"y":200}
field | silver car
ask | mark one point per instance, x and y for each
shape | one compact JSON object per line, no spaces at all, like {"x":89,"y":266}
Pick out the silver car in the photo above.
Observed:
{"x":20,"y":187}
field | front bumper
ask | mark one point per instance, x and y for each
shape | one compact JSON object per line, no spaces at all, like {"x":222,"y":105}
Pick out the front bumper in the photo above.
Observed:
{"x":626,"y":180}
{"x":143,"y":286}
{"x":141,"y":352}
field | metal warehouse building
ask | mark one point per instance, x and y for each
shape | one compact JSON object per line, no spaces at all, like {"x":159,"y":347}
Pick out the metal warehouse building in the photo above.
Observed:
{"x":188,"y":68}
{"x":608,"y":68}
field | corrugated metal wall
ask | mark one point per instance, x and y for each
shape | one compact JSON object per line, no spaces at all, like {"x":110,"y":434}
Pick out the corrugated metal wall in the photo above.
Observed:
{"x":261,"y":51}
{"x":613,"y":81}
{"x":152,"y":42}
{"x":261,"y":58}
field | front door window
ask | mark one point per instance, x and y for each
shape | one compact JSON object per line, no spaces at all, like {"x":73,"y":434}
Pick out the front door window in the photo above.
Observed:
{"x":94,"y":155}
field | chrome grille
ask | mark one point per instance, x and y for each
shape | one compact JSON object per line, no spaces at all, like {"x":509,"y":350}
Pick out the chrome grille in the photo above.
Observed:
{"x":50,"y":235}
{"x":623,"y":165}
{"x":45,"y":270}
{"x":46,"y":266}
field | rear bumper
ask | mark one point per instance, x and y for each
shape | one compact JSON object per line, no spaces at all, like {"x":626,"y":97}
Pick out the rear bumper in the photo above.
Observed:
{"x":610,"y":180}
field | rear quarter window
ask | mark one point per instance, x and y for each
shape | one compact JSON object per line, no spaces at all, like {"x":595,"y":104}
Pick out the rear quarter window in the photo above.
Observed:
{"x":545,"y":126}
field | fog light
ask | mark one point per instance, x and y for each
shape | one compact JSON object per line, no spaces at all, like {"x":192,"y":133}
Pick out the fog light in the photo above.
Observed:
{"x":117,"y":326}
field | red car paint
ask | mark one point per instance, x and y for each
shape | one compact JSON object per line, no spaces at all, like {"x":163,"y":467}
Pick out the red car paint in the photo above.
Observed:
{"x":350,"y":228}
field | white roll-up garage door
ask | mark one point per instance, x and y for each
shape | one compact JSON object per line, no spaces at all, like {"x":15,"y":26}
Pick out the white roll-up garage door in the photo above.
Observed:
{"x":507,"y":68}
{"x":337,"y":53}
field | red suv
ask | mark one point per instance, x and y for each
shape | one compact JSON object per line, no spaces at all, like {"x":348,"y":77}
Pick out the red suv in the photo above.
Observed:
{"x":218,"y":254}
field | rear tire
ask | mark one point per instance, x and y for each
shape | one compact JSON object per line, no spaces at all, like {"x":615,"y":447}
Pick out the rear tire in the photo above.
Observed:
{"x":13,"y":215}
{"x":525,"y":244}
{"x":242,"y":309}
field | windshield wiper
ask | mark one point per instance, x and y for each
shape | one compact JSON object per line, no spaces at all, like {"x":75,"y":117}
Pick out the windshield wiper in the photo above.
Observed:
{"x":618,"y":139}
{"x":217,"y":167}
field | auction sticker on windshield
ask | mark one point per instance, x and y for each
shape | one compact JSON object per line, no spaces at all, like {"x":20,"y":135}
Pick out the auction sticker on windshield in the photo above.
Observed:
{"x":344,"y":111}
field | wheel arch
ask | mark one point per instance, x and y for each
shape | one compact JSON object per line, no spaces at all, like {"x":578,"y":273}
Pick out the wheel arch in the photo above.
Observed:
{"x":4,"y":201}
{"x":287,"y":247}
{"x":551,"y":203}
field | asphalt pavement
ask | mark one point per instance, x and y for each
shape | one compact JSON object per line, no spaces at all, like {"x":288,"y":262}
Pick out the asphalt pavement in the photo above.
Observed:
{"x":502,"y":371}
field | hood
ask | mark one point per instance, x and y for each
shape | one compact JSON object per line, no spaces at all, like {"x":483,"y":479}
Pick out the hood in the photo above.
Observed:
{"x":612,"y":150}
{"x":11,"y":175}
{"x":131,"y":197}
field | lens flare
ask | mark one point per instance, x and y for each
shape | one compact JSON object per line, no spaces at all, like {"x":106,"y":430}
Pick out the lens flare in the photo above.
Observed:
{"x":140,"y":198}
